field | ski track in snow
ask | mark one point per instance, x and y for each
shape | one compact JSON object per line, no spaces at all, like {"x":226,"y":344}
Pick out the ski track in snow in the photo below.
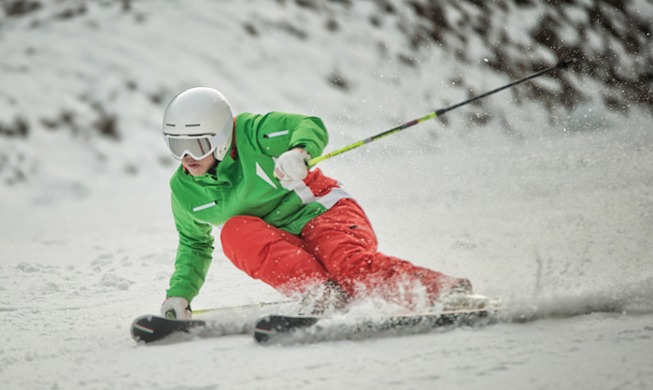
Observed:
{"x":69,"y":296}
{"x":556,"y":224}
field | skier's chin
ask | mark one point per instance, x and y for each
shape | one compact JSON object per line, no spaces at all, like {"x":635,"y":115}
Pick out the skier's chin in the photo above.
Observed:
{"x":198,"y":167}
{"x":195,"y":169}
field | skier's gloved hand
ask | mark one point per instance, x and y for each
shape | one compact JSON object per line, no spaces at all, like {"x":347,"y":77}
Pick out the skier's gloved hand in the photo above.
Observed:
{"x":291,"y":165}
{"x":176,"y":307}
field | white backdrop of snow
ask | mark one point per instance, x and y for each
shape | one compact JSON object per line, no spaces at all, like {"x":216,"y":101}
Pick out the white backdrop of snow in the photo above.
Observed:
{"x":551,"y":220}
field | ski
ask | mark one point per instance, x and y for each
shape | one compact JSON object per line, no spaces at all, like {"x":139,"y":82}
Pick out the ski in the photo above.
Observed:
{"x":160,"y":330}
{"x":282,"y":329}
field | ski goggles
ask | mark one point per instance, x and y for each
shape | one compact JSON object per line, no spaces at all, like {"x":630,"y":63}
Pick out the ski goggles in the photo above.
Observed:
{"x":196,"y":146}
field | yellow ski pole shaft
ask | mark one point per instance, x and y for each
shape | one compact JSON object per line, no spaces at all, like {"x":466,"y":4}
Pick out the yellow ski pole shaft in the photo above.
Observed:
{"x":386,"y":133}
{"x":312,"y":162}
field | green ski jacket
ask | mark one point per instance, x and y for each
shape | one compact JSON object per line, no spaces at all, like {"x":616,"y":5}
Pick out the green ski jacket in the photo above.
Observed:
{"x":243,"y":184}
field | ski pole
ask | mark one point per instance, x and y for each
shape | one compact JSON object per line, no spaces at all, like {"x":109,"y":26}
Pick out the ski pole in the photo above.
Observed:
{"x":435,"y":114}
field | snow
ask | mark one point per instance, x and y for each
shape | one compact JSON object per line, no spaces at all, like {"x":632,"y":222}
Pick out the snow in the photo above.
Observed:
{"x":556,"y":221}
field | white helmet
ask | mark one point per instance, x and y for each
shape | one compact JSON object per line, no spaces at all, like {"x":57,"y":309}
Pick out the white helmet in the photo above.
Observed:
{"x":198,"y":121}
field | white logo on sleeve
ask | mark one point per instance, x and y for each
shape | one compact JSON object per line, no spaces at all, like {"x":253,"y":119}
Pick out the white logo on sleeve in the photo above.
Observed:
{"x":204,"y":206}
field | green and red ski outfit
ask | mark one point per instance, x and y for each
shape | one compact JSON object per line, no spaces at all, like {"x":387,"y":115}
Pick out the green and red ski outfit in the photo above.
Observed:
{"x":291,"y":235}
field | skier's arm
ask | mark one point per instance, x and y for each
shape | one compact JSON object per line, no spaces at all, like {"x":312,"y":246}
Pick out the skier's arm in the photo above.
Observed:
{"x":194,"y":254}
{"x":279,"y":132}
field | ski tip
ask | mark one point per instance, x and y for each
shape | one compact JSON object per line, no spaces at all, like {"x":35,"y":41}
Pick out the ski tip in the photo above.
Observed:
{"x":262,"y":336}
{"x":264,"y":329}
{"x":150,"y":328}
{"x":273,"y":328}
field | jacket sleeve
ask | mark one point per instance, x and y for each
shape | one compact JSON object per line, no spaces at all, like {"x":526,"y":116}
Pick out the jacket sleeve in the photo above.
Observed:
{"x":278,"y":132}
{"x":194,"y":254}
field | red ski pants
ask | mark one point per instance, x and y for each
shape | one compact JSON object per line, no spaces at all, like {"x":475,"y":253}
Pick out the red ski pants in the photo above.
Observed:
{"x":339,"y":245}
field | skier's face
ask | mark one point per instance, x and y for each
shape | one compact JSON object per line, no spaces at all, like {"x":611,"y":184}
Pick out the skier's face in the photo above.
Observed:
{"x":198,"y":167}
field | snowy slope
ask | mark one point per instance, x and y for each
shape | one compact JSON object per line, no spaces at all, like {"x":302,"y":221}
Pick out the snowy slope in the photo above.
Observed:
{"x":554,"y":219}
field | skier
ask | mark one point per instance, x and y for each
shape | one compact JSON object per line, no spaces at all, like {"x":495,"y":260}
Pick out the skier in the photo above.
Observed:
{"x":293,"y":228}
